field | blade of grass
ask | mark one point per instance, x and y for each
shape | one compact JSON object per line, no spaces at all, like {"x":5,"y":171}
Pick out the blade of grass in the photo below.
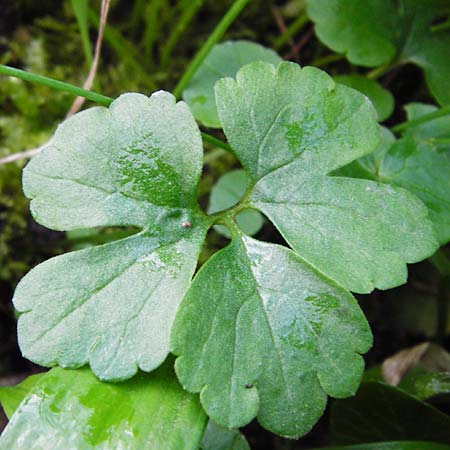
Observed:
{"x":78,"y":102}
{"x":125,"y":51}
{"x":80,"y":9}
{"x":213,"y":38}
{"x":55,"y":84}
{"x":186,"y":17}
{"x":291,"y":31}
{"x":152,"y":23}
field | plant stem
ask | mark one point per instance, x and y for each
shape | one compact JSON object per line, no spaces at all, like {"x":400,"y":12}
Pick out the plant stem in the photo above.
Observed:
{"x":213,"y":38}
{"x":323,"y":61}
{"x":55,"y":84}
{"x":217,"y":142}
{"x":444,"y":111}
{"x":379,"y":71}
{"x":291,"y":30}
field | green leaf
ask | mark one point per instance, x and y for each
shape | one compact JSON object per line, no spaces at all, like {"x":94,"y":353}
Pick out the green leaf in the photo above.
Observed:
{"x":380,"y":412}
{"x":395,"y":445}
{"x":420,"y":167}
{"x":224,"y":60}
{"x":12,"y":396}
{"x":137,"y":163}
{"x":424,"y":385}
{"x":218,"y":438}
{"x":386,"y":31}
{"x":261,"y":333}
{"x":382,"y":99}
{"x":226,"y":193}
{"x":290,"y":128}
{"x":72,"y":409}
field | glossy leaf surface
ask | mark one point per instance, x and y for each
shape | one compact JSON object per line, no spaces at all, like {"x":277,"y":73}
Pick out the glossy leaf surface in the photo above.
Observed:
{"x":226,"y":193}
{"x":261,"y":333}
{"x":388,"y":30}
{"x":136,"y":163}
{"x":394,"y":445}
{"x":380,"y":412}
{"x":72,"y":409}
{"x":290,"y":128}
{"x":224,"y":60}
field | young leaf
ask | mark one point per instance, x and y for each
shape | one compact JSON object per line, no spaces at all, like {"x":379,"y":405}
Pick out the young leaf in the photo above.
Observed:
{"x":136,"y":163}
{"x":290,"y":128}
{"x":224,"y":60}
{"x":226,"y":193}
{"x":12,"y":396}
{"x":218,"y":438}
{"x":387,"y":30}
{"x":261,"y":333}
{"x":382,"y":99}
{"x":72,"y":409}
{"x":380,"y":412}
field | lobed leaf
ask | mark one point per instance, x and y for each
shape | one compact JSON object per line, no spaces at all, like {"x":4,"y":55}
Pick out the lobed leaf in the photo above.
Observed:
{"x":290,"y":128}
{"x":261,"y":333}
{"x":224,"y":60}
{"x":136,"y":163}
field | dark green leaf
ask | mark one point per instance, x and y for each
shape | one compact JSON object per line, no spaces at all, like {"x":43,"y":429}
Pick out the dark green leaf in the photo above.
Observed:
{"x":72,"y":409}
{"x":261,"y":333}
{"x":12,"y":396}
{"x":290,"y":128}
{"x":395,"y":445}
{"x":218,"y":438}
{"x":382,"y":99}
{"x":380,"y":412}
{"x":137,"y":163}
{"x":424,"y":385}
{"x":376,"y":32}
{"x":226,"y":193}
{"x":224,"y":60}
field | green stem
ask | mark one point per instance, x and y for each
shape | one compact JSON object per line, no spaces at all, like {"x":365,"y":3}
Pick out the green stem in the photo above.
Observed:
{"x":291,"y":30}
{"x":379,"y":71}
{"x":55,"y":84}
{"x":216,"y":142}
{"x":213,"y":38}
{"x":444,"y":111}
{"x":323,"y":61}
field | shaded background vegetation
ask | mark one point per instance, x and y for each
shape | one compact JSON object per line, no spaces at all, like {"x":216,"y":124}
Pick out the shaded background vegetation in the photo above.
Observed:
{"x":44,"y":37}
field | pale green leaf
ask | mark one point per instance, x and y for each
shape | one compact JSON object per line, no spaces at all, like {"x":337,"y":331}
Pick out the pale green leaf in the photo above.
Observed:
{"x":261,"y":333}
{"x":112,"y":306}
{"x":224,"y":60}
{"x":382,"y":99}
{"x":377,"y":32}
{"x":72,"y":409}
{"x":290,"y":128}
{"x":226,"y":193}
{"x":123,"y":165}
{"x":218,"y":438}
